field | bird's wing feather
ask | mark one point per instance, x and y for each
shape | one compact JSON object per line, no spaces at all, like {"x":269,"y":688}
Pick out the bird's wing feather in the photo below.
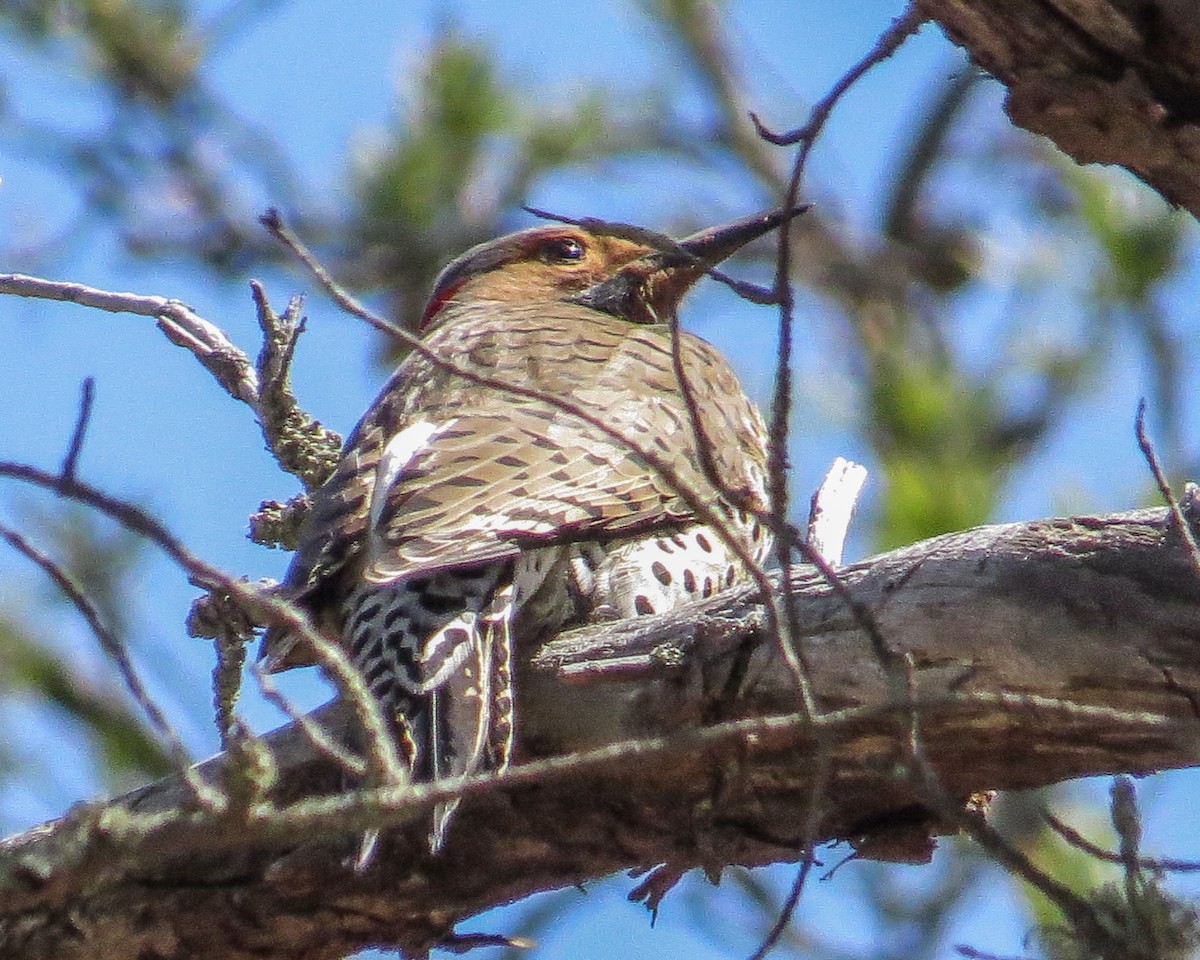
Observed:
{"x":489,"y":483}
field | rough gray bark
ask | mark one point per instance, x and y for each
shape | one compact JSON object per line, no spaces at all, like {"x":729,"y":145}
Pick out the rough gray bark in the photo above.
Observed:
{"x":1109,"y":81}
{"x":1040,"y":652}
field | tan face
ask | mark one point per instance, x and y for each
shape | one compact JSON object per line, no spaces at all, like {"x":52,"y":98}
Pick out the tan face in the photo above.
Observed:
{"x":629,"y":280}
{"x":540,"y":264}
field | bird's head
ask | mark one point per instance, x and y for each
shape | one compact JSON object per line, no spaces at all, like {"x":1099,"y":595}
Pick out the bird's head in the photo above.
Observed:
{"x":629,"y":278}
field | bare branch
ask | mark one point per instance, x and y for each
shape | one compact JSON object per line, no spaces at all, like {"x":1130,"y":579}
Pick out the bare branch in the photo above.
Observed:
{"x":1001,"y":628}
{"x":299,"y":443}
{"x":182,"y":325}
{"x":743,"y":500}
{"x":780,"y":422}
{"x":1080,"y":912}
{"x":778,"y":467}
{"x":816,"y":798}
{"x":322,"y":741}
{"x":227,"y":680}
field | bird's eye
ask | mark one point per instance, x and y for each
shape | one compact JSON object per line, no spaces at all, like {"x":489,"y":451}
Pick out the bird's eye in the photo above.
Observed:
{"x":562,"y":250}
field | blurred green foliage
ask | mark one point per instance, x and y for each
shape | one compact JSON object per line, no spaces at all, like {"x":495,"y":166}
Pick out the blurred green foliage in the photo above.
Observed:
{"x":930,"y":436}
{"x":32,"y":668}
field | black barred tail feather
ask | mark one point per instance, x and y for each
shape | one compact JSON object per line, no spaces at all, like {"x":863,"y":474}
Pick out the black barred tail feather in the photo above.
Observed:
{"x":499,"y":621}
{"x":435,"y":652}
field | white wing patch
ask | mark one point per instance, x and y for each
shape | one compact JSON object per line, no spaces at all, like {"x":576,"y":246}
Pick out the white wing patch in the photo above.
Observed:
{"x":398,"y":454}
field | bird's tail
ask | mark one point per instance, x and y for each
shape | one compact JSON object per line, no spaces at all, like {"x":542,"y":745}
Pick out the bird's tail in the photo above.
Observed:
{"x":443,"y":677}
{"x":468,"y":718}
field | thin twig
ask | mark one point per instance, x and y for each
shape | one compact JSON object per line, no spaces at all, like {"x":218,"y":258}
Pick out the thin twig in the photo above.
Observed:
{"x":888,"y":43}
{"x":205,"y":796}
{"x":1147,"y":448}
{"x":778,"y":468}
{"x":862,"y":614}
{"x":249,"y":773}
{"x":301,"y":444}
{"x":384,"y":806}
{"x":230,"y":648}
{"x":1080,"y":842}
{"x":1127,"y":822}
{"x":739,"y":499}
{"x":87,"y":395}
{"x":109,"y":643}
{"x":699,"y":27}
{"x":1140,"y":894}
{"x":788,"y":909}
{"x":742,"y":498}
{"x":1079,"y":912}
{"x":285,"y":426}
{"x":322,"y":741}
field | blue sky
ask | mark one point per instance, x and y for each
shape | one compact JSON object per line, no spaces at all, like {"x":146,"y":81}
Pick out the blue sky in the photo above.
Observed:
{"x":164,"y":434}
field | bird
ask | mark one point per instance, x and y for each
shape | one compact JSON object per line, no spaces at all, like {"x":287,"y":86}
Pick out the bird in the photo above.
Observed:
{"x":465,"y":523}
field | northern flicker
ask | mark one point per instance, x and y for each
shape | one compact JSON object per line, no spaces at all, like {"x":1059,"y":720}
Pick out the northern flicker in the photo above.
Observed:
{"x":464,"y":521}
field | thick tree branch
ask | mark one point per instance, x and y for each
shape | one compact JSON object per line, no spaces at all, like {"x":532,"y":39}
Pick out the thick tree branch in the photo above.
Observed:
{"x":1071,"y":641}
{"x":1107,"y":81}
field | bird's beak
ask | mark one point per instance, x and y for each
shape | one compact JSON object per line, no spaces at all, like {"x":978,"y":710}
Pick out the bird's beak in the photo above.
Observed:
{"x":647,"y":289}
{"x":709,"y":247}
